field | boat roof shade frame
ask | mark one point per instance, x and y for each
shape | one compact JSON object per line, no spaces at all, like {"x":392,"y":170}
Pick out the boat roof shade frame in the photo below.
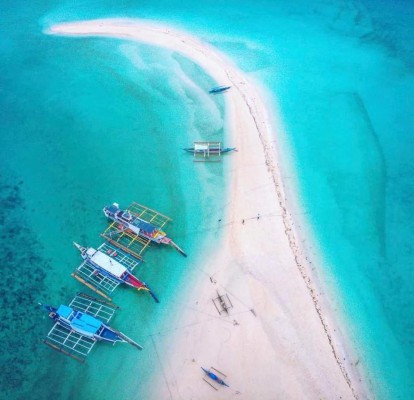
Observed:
{"x":130,"y":243}
{"x":207,"y":151}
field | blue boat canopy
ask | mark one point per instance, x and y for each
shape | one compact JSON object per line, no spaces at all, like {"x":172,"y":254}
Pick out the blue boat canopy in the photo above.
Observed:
{"x":112,"y":208}
{"x":145,"y":226}
{"x":86,"y":323}
{"x":64,"y":311}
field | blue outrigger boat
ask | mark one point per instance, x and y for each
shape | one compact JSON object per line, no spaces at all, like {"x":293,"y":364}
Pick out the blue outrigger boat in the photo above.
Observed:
{"x":214,"y":377}
{"x":80,"y":325}
{"x":219,"y":89}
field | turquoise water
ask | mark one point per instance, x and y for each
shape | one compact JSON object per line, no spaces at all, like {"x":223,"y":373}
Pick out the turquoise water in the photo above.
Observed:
{"x":88,"y":121}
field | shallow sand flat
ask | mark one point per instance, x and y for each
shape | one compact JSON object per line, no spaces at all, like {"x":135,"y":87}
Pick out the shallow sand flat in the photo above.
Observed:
{"x":275,"y":342}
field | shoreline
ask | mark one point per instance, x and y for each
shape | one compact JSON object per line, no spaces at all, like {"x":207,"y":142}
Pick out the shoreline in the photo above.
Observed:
{"x":253,"y":270}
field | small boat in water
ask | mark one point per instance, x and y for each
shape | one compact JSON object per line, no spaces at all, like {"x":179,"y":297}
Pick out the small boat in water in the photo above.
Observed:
{"x":82,"y":323}
{"x":212,"y":150}
{"x":219,"y":89}
{"x":208,"y":151}
{"x":106,"y":265}
{"x":133,"y":222}
{"x":137,"y":225}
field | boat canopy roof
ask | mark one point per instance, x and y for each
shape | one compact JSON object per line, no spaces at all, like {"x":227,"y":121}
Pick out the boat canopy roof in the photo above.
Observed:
{"x":91,"y":251}
{"x":199,"y":146}
{"x":86,"y":323}
{"x":64,"y":311}
{"x":107,"y":263}
{"x":113,"y":208}
{"x":145,"y":226}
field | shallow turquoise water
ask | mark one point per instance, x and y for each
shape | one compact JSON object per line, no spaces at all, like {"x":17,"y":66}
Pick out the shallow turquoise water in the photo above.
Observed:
{"x":80,"y":132}
{"x":89,"y":121}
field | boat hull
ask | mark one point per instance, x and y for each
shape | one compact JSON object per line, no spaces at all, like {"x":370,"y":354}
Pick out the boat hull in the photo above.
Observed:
{"x":211,"y":151}
{"x":219,"y":89}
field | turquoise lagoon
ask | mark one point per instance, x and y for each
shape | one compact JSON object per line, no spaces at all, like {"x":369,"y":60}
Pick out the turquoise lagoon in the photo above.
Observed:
{"x":88,"y":121}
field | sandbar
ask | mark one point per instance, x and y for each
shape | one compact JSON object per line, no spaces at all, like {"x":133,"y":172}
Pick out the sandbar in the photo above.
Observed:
{"x":279,"y":340}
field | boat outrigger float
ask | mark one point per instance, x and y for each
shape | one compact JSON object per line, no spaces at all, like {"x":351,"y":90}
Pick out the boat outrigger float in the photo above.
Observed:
{"x":106,"y":268}
{"x":132,"y":221}
{"x":81,"y":324}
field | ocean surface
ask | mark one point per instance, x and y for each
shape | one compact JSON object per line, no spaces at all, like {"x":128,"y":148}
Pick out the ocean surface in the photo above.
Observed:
{"x":88,"y":121}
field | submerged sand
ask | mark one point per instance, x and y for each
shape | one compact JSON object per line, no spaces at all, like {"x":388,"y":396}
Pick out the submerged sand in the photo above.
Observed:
{"x":275,"y":343}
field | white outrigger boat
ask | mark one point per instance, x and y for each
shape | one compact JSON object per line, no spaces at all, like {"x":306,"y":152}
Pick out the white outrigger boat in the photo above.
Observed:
{"x":208,"y":151}
{"x":113,"y":271}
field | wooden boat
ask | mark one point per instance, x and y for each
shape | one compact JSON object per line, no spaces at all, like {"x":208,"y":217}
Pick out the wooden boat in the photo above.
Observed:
{"x":219,"y":89}
{"x":212,"y":150}
{"x":106,"y":264}
{"x":81,"y":324}
{"x":132,"y":221}
{"x":214,"y":377}
{"x":137,"y":225}
{"x":209,"y":151}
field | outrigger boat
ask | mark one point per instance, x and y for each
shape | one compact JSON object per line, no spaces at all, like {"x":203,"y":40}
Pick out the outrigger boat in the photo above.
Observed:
{"x":105,"y":264}
{"x":219,"y":89}
{"x":213,"y":150}
{"x":208,"y":151}
{"x":214,"y":377}
{"x":133,"y":222}
{"x":82,"y":324}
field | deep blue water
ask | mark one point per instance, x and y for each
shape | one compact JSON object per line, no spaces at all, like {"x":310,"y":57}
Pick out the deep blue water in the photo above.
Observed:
{"x":87,"y":121}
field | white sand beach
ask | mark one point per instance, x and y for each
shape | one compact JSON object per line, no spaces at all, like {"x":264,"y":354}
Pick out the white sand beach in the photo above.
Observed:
{"x":276,"y":342}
